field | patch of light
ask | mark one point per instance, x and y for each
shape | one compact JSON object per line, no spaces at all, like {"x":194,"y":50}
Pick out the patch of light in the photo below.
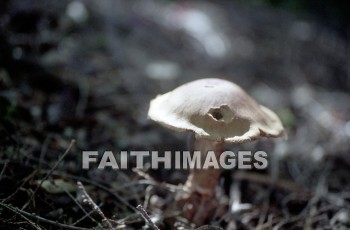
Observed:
{"x":199,"y":26}
{"x":301,"y":30}
{"x":318,"y":154}
{"x":77,"y":11}
{"x":215,"y":45}
{"x":196,"y":23}
{"x":162,"y":70}
{"x":347,"y":128}
{"x":17,"y":53}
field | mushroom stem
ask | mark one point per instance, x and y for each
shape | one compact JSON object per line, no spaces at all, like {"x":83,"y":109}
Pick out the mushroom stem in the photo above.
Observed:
{"x":199,"y":200}
{"x":204,"y":181}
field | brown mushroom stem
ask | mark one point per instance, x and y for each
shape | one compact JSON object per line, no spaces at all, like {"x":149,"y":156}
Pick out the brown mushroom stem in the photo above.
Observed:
{"x":199,"y":201}
{"x":204,"y":181}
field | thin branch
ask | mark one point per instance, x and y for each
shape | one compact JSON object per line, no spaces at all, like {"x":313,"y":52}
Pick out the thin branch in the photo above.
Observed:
{"x":86,"y":199}
{"x":25,"y":180}
{"x":44,"y":150}
{"x":100,"y":186}
{"x":21,"y":215}
{"x":87,"y":214}
{"x":146,"y":217}
{"x":50,"y":172}
{"x":3,"y":169}
{"x":25,"y":214}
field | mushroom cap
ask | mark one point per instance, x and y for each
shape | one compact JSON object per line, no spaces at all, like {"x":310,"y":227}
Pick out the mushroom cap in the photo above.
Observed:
{"x":217,"y":110}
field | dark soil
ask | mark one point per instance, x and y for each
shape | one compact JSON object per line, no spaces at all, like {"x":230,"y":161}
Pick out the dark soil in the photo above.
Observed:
{"x":79,"y":75}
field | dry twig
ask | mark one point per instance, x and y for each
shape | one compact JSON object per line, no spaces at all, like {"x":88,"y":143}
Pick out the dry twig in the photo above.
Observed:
{"x":146,"y":217}
{"x":25,"y":214}
{"x":3,"y":169}
{"x":49,"y":174}
{"x":86,"y":199}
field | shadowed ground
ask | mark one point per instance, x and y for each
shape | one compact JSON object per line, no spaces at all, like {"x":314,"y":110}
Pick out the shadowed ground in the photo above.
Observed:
{"x":87,"y":71}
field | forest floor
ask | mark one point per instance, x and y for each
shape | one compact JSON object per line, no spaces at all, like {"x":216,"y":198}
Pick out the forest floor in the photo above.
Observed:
{"x":78,"y":76}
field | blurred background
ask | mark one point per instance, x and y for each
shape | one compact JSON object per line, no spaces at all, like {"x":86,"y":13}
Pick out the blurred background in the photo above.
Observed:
{"x":86,"y":70}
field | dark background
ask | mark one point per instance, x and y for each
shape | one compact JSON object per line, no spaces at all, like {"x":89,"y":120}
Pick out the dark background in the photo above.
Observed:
{"x":86,"y":70}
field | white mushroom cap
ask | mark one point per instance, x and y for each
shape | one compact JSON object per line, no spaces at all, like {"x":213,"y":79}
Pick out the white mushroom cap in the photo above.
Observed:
{"x":217,"y":110}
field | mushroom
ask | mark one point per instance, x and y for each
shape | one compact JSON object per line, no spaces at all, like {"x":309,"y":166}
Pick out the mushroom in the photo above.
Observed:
{"x":217,"y":111}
